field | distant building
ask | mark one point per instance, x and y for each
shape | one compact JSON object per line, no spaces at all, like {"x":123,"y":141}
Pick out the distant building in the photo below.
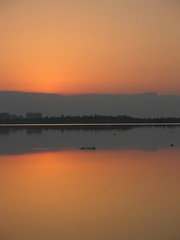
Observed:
{"x":31,"y":115}
{"x":7,"y":116}
{"x":4,"y":116}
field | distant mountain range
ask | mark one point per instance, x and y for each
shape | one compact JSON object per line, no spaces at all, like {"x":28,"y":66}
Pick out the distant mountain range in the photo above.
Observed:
{"x":136,"y":105}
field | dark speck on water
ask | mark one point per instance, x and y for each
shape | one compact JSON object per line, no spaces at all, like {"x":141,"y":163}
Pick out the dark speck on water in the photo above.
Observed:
{"x":88,"y":148}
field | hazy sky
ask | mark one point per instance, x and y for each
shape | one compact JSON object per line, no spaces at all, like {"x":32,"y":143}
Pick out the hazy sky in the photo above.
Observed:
{"x":90,"y":46}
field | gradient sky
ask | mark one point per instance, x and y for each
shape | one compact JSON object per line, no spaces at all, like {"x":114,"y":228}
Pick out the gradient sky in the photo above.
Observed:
{"x":90,"y":46}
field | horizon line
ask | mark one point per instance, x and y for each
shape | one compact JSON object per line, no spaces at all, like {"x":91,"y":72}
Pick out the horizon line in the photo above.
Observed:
{"x":78,"y":94}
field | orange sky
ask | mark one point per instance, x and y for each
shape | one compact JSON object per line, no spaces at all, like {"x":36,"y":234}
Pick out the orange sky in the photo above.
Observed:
{"x":92,"y":46}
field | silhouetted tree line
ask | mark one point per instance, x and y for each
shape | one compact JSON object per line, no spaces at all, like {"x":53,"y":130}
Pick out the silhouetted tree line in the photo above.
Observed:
{"x":37,"y":118}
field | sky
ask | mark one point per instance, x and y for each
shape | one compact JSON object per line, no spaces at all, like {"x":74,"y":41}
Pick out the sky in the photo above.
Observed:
{"x":90,"y":46}
{"x":135,"y":105}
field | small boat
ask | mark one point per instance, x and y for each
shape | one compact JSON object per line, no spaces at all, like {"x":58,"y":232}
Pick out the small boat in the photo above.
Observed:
{"x":88,"y":148}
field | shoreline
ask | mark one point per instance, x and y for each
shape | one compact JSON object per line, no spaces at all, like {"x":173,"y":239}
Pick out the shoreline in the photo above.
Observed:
{"x":85,"y":124}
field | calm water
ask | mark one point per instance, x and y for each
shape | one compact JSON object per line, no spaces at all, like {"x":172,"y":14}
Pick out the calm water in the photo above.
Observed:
{"x":128,"y":188}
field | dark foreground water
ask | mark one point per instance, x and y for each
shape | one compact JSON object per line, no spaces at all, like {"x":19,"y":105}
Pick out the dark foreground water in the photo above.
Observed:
{"x":127,"y":188}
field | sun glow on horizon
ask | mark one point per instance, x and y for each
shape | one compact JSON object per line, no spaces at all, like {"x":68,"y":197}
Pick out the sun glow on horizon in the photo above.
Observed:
{"x":91,"y":47}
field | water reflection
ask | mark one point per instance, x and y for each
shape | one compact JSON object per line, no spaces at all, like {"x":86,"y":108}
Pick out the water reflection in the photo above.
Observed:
{"x":19,"y":140}
{"x":89,"y":195}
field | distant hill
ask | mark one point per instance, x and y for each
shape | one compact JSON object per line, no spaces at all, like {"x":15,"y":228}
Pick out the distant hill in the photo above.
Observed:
{"x":136,"y":105}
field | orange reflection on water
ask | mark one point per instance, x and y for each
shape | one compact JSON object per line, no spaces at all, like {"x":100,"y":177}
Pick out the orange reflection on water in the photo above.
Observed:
{"x":90,"y":195}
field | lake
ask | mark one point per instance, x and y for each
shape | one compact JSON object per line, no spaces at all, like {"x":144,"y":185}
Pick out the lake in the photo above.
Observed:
{"x":127,"y":188}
